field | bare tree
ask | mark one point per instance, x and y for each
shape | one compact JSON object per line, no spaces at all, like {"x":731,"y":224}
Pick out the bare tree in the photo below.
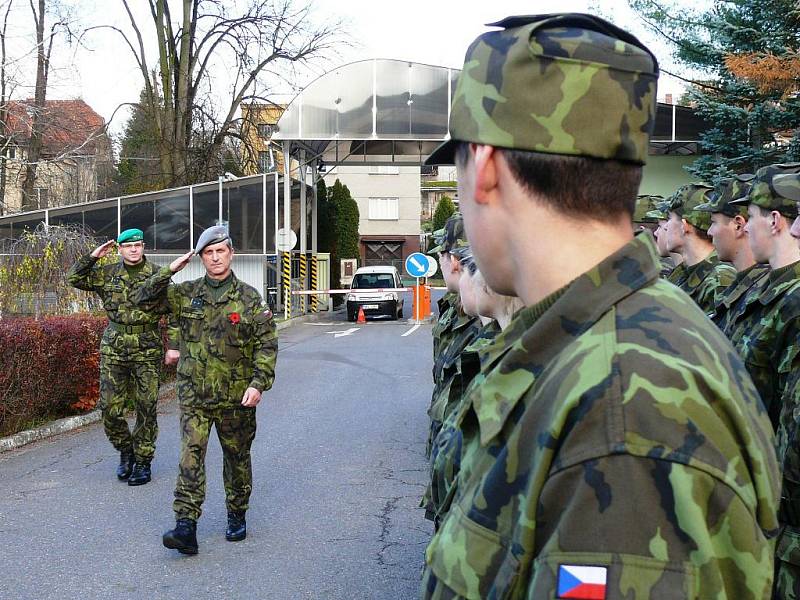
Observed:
{"x":44,"y":50}
{"x":4,"y":95}
{"x":260,"y":38}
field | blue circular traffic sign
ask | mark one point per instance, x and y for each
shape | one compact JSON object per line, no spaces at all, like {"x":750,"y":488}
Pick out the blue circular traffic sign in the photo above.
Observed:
{"x":417,"y":264}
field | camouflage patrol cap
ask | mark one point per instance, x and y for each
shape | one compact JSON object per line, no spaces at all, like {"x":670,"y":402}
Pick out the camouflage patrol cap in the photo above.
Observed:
{"x":645,"y":206}
{"x":570,"y":84}
{"x":660,"y":212}
{"x":728,"y":189}
{"x":685,"y":201}
{"x":454,"y":236}
{"x":438,"y":240}
{"x":212,"y":235}
{"x":773,"y":189}
{"x":462,"y":253}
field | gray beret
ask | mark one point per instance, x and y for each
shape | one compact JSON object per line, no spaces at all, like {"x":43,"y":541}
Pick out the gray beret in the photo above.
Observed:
{"x":212,"y":235}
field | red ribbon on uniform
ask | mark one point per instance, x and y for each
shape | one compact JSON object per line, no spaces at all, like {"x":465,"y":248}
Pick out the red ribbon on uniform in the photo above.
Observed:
{"x":234,"y":318}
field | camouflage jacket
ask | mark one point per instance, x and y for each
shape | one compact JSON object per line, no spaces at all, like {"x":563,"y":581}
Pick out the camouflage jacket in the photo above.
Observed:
{"x":117,"y":289}
{"x":460,"y":331}
{"x":667,"y":266}
{"x":446,"y":448}
{"x":609,"y":432}
{"x":705,"y":281}
{"x":449,"y":310}
{"x":446,"y":305}
{"x":733,"y":301}
{"x":226,"y":345}
{"x":766,"y":336}
{"x":455,"y":369}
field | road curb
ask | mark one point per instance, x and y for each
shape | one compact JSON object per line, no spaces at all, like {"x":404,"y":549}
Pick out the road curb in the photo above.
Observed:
{"x":45,"y":431}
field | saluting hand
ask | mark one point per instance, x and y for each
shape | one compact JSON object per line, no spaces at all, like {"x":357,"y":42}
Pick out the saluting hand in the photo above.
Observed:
{"x":103,"y":249}
{"x":179,"y":263}
{"x":251,"y":397}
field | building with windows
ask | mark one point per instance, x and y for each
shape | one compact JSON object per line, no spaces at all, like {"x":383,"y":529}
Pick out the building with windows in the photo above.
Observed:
{"x":75,"y":162}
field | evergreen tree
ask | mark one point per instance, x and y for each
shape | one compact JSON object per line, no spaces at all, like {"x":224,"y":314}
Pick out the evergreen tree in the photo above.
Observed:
{"x":443,"y":211}
{"x":748,"y":123}
{"x":139,"y":165}
{"x":347,"y":216}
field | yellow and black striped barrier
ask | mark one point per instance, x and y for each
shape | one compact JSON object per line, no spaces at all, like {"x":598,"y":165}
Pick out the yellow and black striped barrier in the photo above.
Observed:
{"x":286,"y":279}
{"x":314,"y":282}
{"x":302,"y":282}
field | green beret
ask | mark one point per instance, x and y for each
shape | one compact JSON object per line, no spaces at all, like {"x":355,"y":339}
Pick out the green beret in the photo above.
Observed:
{"x":130,"y":235}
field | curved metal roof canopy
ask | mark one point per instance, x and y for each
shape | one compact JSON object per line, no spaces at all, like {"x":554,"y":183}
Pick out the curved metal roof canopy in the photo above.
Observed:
{"x":390,"y":111}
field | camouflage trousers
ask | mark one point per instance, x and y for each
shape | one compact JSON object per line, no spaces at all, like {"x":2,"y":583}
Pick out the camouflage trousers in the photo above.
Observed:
{"x":130,"y":384}
{"x":787,"y":565}
{"x":236,"y":429}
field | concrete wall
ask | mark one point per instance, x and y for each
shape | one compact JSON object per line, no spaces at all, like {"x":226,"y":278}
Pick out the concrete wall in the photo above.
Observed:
{"x":665,"y":174}
{"x":364,"y":185}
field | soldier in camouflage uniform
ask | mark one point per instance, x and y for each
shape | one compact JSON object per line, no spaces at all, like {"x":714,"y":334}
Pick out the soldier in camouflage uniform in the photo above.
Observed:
{"x":670,"y":261}
{"x":228,"y":348}
{"x":447,"y":302}
{"x":645,"y":219}
{"x":459,"y":328}
{"x":730,"y":240}
{"x":704,"y":277}
{"x":496,"y":312}
{"x":130,"y":351}
{"x":612,"y":442}
{"x":766,"y":336}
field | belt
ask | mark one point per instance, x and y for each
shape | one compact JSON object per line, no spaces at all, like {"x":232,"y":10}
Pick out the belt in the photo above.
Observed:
{"x":133,"y":328}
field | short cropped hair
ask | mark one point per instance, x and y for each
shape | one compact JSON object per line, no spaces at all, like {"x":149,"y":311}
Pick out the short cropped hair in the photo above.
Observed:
{"x":576,"y":186}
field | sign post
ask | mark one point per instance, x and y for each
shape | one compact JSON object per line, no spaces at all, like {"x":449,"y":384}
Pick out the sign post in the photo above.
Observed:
{"x":419,"y":265}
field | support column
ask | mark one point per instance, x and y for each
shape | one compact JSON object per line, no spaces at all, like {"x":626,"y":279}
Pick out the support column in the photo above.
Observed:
{"x":314,"y":267}
{"x":286,"y":272}
{"x":303,"y":230}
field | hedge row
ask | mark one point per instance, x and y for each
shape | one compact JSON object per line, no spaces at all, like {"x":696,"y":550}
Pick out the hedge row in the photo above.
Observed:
{"x":49,"y":368}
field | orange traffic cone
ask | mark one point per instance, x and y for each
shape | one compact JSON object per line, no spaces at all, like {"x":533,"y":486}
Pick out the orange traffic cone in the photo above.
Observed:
{"x":361,"y":317}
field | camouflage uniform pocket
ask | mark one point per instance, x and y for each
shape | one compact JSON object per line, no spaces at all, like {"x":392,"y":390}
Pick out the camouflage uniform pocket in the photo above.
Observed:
{"x":191,"y":324}
{"x":473,"y":561}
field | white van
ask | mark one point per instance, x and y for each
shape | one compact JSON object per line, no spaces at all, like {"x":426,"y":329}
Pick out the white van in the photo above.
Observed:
{"x":375,"y":303}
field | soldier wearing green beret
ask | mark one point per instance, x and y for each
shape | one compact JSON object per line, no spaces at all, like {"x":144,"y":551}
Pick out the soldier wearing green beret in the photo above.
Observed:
{"x":727,"y":232}
{"x":614,"y":439}
{"x":228,"y":349}
{"x":766,"y":335}
{"x":130,"y":351}
{"x":704,"y":276}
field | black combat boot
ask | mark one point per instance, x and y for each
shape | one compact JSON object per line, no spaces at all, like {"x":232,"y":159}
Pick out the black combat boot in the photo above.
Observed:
{"x":125,"y":465}
{"x":183,"y":538}
{"x":237,"y":527}
{"x":141,"y":474}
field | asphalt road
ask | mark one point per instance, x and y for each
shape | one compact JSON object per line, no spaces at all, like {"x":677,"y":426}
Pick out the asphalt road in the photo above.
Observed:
{"x":338,"y":464}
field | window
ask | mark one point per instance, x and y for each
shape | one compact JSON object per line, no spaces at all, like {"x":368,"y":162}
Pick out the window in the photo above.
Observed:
{"x":384,"y":170}
{"x":265,"y":130}
{"x":373,"y":280}
{"x":384,"y":209}
{"x":264,"y":162}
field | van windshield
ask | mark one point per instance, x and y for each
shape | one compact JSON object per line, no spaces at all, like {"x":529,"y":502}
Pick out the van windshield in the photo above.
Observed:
{"x":373,"y":280}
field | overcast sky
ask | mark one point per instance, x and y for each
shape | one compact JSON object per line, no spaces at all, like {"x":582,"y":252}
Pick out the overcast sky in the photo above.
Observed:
{"x":102,"y":70}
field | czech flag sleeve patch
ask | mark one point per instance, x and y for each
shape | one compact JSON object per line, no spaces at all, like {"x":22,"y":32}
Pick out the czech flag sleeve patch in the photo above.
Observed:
{"x":581,"y":582}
